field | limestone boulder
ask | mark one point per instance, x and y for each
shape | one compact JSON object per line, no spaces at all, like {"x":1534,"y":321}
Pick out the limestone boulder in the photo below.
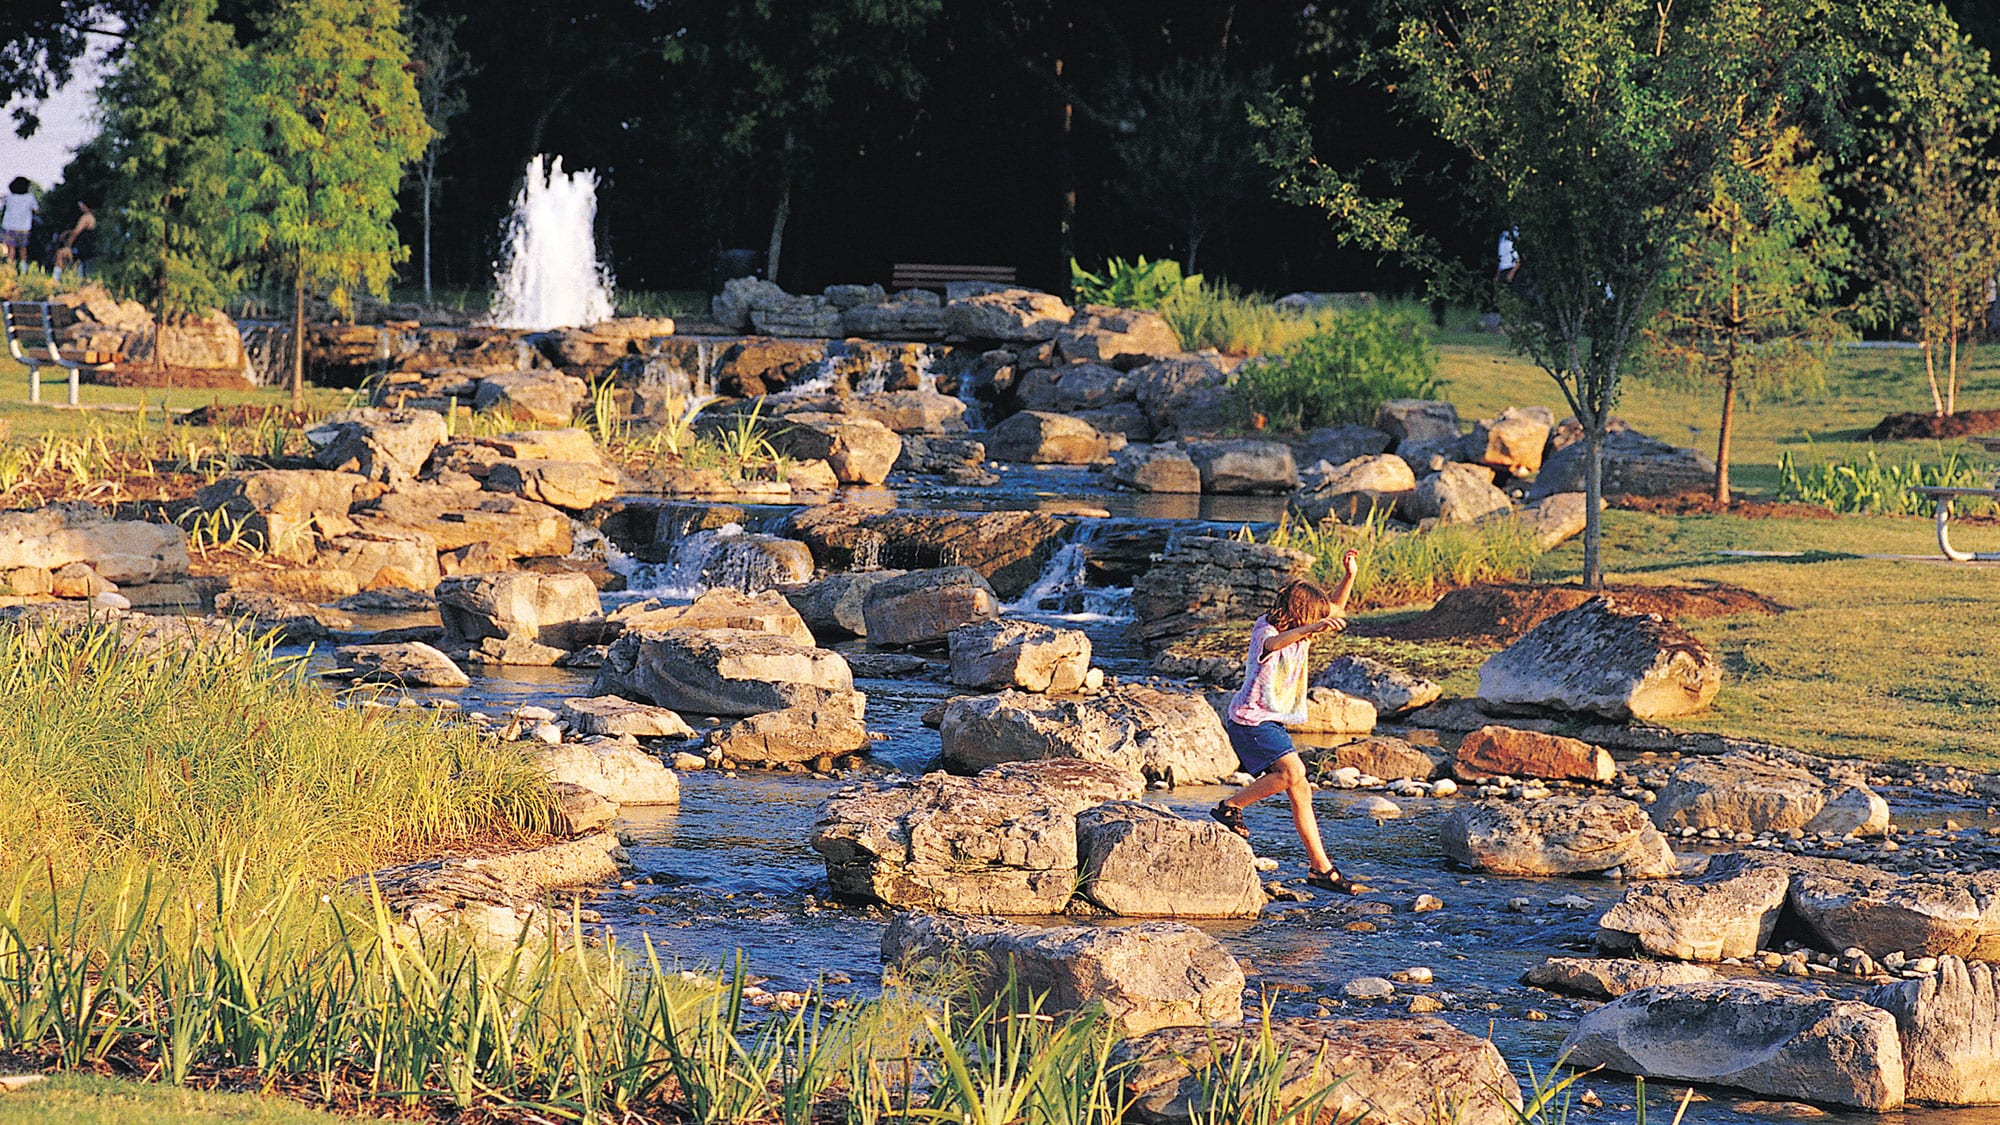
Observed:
{"x":1002,"y":843}
{"x":1560,"y":835}
{"x":829,"y":727}
{"x":1513,"y":441}
{"x":1603,"y":659}
{"x":1407,"y":1071}
{"x":1242,"y":465}
{"x":1335,"y":712}
{"x":1154,"y":468}
{"x":1174,"y":390}
{"x":1457,"y":493}
{"x":1606,"y":978}
{"x":1634,"y":465}
{"x":729,"y":672}
{"x":1495,"y":751}
{"x":281,"y":510}
{"x":122,"y":552}
{"x":1019,"y":654}
{"x":1202,"y":579}
{"x":411,"y":664}
{"x":1949,"y":1024}
{"x":1104,"y":334}
{"x":1146,"y":976}
{"x":545,"y":397}
{"x":576,"y":485}
{"x":1353,"y":491}
{"x":1008,"y":549}
{"x":1007,"y":316}
{"x":1415,"y":421}
{"x":1337,"y":445}
{"x":618,"y":771}
{"x":831,"y":608}
{"x":1039,"y":438}
{"x":749,"y":562}
{"x":1141,"y":861}
{"x":1555,"y":519}
{"x":731,"y":307}
{"x":910,"y":412}
{"x":860,"y":450}
{"x":1753,"y":1035}
{"x":1392,"y":690}
{"x":1742,"y":792}
{"x":612,"y":717}
{"x":1846,"y":905}
{"x":515,"y":527}
{"x":904,"y":316}
{"x":378,"y":560}
{"x":940,"y":456}
{"x":1138,"y":729}
{"x":1852,"y":810}
{"x":1730,"y":910}
{"x":549,"y":609}
{"x":763,"y":612}
{"x":804,"y":315}
{"x":1383,"y":757}
{"x":390,"y":446}
{"x":924,"y":606}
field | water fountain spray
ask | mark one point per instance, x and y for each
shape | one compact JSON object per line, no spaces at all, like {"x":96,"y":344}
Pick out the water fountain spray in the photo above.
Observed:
{"x":549,"y":275}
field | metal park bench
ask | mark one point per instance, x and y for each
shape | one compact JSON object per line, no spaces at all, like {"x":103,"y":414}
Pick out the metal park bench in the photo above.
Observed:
{"x":1991,"y":444}
{"x":919,"y":275}
{"x":31,"y":340}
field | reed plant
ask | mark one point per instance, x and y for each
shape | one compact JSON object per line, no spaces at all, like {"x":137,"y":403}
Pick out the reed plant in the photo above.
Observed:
{"x":1869,"y":485}
{"x":1403,"y":566}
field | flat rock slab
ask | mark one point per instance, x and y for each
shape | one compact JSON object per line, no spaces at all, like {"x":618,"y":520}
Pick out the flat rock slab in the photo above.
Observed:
{"x":1392,"y":690}
{"x":1142,"y":730}
{"x":1141,"y":861}
{"x":730,"y":672}
{"x":1846,"y":904}
{"x":412,"y":664}
{"x":618,"y":771}
{"x":1497,"y":751}
{"x":1001,"y":843}
{"x":1147,"y":976}
{"x":1561,"y":835}
{"x":765,"y":611}
{"x":1754,"y":1035}
{"x":1393,"y":1071}
{"x":610,"y":715}
{"x":1605,"y":978}
{"x":1741,"y":792}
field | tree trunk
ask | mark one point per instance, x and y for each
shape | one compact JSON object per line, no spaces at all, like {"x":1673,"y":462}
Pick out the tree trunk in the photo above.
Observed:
{"x":1930,"y":373}
{"x":1066,"y":178}
{"x":1951,"y":378}
{"x":1593,"y":498}
{"x":299,"y":341}
{"x":1728,"y":423}
{"x":429,"y":185}
{"x":780,"y":216}
{"x":1193,"y":247}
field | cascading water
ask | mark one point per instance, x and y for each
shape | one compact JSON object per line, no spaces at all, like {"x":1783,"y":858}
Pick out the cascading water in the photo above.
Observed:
{"x":549,"y":275}
{"x":1063,"y":588}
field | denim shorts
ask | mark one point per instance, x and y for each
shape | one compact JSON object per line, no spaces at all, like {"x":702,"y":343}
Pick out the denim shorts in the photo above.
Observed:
{"x":1258,"y":747}
{"x":16,"y":240}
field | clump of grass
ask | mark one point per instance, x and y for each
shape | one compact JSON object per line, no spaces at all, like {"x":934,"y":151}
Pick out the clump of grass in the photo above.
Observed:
{"x":1868,"y":485}
{"x":1344,"y":373}
{"x":1216,"y":314}
{"x":114,"y":753}
{"x":1399,"y":567}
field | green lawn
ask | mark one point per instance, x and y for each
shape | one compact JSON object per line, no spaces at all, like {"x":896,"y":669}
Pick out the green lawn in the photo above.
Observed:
{"x":1483,"y":376}
{"x":84,"y":1099}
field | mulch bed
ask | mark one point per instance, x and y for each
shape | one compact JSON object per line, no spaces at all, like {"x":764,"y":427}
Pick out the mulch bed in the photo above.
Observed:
{"x":1503,"y":612}
{"x":1905,"y":427}
{"x":1703,"y":504}
{"x":146,"y":375}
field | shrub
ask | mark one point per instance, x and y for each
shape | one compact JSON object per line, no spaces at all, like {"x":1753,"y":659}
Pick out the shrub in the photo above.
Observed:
{"x":1359,"y":360}
{"x":1130,"y":285}
{"x":1872,"y":487}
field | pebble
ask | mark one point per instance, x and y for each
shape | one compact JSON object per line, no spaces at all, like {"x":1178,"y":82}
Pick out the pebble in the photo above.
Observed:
{"x":1368,"y":988}
{"x":1380,"y":808}
{"x":1798,"y":1111}
{"x":1346,"y":777}
{"x":1444,"y":787}
{"x":1519,"y":905}
{"x":1536,"y":1015}
{"x":1360,"y":927}
{"x":1416,"y":974}
{"x":1572,"y":902}
{"x":534,"y":714}
{"x":688,"y":763}
{"x":1424,"y":904}
{"x":1424,"y":1005}
{"x":549,"y":733}
{"x":1265,"y":863}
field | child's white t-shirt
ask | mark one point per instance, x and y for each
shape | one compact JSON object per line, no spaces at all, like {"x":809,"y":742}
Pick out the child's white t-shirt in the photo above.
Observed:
{"x":1274,"y":684}
{"x":17,"y":212}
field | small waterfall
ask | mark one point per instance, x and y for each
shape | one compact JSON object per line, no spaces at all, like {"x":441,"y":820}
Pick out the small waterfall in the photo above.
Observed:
{"x":926,"y":378}
{"x":1063,"y":588}
{"x":549,"y":275}
{"x":266,"y":349}
{"x":729,"y":557}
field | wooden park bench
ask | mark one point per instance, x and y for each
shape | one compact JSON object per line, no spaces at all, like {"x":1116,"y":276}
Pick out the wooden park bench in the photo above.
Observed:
{"x":919,"y":275}
{"x":31,"y":340}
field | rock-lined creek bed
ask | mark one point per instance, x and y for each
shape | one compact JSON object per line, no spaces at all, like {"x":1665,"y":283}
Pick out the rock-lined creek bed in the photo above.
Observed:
{"x":729,"y":869}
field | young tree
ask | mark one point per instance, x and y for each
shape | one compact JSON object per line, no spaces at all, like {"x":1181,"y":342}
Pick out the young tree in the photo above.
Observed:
{"x":442,"y":67}
{"x":1932,"y":184}
{"x":1596,"y":129}
{"x":328,"y":122}
{"x":166,"y":218}
{"x":1183,"y":162}
{"x":1749,"y":296}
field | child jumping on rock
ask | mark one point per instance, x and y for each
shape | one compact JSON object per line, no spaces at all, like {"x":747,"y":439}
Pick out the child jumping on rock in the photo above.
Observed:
{"x":1273,"y":696}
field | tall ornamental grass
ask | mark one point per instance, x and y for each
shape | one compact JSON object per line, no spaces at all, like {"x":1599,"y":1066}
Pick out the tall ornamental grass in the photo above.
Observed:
{"x":1399,"y":567}
{"x":1872,"y":486}
{"x":116,"y":752}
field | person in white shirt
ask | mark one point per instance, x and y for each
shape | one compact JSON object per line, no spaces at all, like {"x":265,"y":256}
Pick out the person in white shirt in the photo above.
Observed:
{"x":1510,"y":257}
{"x":17,"y":218}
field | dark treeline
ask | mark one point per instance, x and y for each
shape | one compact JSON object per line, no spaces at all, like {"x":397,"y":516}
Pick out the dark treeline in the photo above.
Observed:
{"x":1012,"y":132}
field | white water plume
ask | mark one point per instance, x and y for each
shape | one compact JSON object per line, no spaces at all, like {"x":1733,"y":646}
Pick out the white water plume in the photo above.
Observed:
{"x":549,"y":275}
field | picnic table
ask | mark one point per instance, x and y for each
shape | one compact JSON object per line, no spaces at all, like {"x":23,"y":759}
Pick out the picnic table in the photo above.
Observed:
{"x":1944,"y":496}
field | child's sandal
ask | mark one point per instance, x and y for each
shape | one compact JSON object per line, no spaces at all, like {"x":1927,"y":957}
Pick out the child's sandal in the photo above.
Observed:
{"x":1336,"y":882}
{"x":1230,"y":817}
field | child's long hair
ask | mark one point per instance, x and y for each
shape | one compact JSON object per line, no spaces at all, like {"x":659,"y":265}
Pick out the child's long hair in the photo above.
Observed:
{"x":1300,"y":602}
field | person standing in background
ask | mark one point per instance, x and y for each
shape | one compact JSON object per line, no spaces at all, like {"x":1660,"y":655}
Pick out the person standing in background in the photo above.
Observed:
{"x":1510,"y":257}
{"x":74,"y":249}
{"x":17,"y":218}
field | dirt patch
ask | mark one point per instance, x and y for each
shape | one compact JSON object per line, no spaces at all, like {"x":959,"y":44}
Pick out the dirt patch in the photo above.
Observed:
{"x":242,"y":414}
{"x":1904,"y":427}
{"x":146,"y":375}
{"x":1502,"y":613}
{"x":1703,"y":504}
